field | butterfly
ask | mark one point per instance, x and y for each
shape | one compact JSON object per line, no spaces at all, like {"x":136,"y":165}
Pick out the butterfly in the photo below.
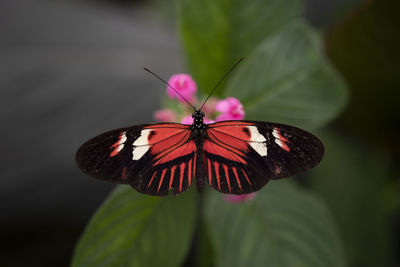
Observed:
{"x":233,"y":157}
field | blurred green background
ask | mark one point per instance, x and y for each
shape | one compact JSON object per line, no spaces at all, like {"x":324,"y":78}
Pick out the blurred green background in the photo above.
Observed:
{"x":330,"y":67}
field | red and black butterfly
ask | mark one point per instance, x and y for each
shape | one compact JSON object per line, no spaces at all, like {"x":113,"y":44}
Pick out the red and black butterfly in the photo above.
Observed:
{"x":234,"y":157}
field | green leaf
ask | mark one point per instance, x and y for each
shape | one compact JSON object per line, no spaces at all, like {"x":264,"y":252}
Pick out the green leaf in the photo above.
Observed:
{"x":216,"y":33}
{"x":353,"y":180}
{"x":287,"y":80}
{"x":284,"y":77}
{"x":132,"y":229}
{"x":281,"y":226}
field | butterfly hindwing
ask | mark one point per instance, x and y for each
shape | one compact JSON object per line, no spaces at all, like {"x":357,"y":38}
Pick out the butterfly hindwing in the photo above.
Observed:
{"x":242,"y":156}
{"x":153,"y":158}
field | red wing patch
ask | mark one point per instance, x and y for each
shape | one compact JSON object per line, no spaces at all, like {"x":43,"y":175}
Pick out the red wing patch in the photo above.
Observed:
{"x":228,"y":140}
{"x":280,"y":140}
{"x":174,"y":174}
{"x":223,"y":150}
{"x":227,"y":151}
{"x":227,"y":176}
{"x":119,"y":145}
{"x":238,"y":136}
{"x":172,"y":147}
{"x":173,"y":158}
{"x":225,"y":156}
{"x":161,"y":140}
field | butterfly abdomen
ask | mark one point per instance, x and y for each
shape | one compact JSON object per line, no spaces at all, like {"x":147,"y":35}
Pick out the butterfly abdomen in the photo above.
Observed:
{"x":199,"y":166}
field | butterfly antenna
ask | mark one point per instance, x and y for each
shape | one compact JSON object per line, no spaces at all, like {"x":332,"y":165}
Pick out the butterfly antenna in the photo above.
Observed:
{"x":170,"y":86}
{"x":220,"y":81}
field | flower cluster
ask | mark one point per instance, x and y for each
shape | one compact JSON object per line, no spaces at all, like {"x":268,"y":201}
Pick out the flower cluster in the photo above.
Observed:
{"x":214,"y":109}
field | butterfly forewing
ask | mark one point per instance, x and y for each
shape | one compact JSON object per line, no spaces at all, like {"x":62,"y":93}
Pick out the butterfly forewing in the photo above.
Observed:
{"x":154,"y":159}
{"x":242,"y":156}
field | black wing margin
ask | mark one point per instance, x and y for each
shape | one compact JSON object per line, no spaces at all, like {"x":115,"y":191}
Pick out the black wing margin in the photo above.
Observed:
{"x":290,"y":150}
{"x":105,"y":156}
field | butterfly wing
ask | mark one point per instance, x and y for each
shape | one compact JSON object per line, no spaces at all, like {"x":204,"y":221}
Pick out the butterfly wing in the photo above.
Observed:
{"x":153,"y":158}
{"x":242,"y":156}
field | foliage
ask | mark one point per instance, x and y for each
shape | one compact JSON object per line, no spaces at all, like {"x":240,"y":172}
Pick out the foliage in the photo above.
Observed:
{"x":132,"y":229}
{"x":283,"y":226}
{"x":285,"y":79}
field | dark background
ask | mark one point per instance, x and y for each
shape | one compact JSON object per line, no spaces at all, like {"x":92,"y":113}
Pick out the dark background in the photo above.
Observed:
{"x":68,"y":71}
{"x":72,"y":69}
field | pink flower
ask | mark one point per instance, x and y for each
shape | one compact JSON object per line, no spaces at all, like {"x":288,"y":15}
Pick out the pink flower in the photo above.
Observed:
{"x":187,"y":120}
{"x":164,"y":115}
{"x":239,"y":198}
{"x":231,"y":109}
{"x":184,"y":84}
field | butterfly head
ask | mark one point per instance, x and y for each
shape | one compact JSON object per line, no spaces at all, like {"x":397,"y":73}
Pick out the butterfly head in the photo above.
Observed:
{"x":198,"y":120}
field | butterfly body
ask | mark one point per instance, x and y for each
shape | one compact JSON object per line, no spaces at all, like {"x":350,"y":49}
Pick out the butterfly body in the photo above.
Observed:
{"x":235,"y":157}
